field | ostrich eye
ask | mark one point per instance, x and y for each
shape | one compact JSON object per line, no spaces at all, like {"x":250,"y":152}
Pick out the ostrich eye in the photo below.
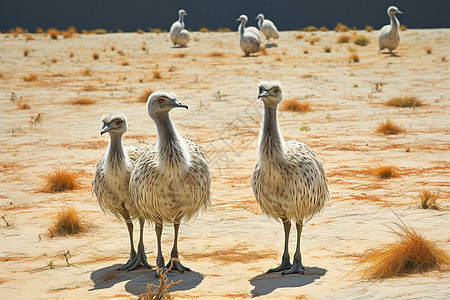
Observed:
{"x":161,"y":100}
{"x":276,"y":90}
{"x":119,"y":122}
{"x":260,"y":90}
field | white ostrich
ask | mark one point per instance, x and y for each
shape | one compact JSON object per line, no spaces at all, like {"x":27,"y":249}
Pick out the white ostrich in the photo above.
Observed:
{"x":267,"y":28}
{"x":389,"y":34}
{"x":178,"y":35}
{"x":111,"y":180}
{"x":289,"y":180}
{"x":249,"y":39}
{"x":170,"y":182}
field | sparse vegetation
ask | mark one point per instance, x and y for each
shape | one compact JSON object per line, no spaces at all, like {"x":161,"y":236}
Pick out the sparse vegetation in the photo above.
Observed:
{"x":95,"y":55}
{"x":225,"y":29}
{"x":155,"y":30}
{"x":156,"y":75}
{"x":428,"y":199}
{"x":68,"y":221}
{"x":86,"y":72}
{"x":379,"y":87}
{"x":39,"y":30}
{"x":53,"y":33}
{"x":361,"y":40}
{"x":369,"y":28}
{"x":294,"y":104}
{"x":310,"y":28}
{"x":216,"y":54}
{"x":26,"y":51}
{"x":313,"y":40}
{"x":299,"y":36}
{"x":54,"y":60}
{"x":405,"y":101}
{"x":341,"y":28}
{"x":323,"y":28}
{"x":140,"y":31}
{"x":411,"y":254}
{"x":343,"y":39}
{"x":83,"y":101}
{"x":354,"y":57}
{"x":389,"y":127}
{"x":327,"y":49}
{"x":100,"y":31}
{"x":31,"y":77}
{"x":428,"y":49}
{"x":61,"y":180}
{"x":203,"y":29}
{"x":144,"y":96}
{"x":403,"y":27}
{"x":386,"y":172}
{"x":160,"y":292}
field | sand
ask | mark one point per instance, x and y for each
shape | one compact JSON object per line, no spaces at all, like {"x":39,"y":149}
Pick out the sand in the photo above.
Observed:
{"x":229,"y":247}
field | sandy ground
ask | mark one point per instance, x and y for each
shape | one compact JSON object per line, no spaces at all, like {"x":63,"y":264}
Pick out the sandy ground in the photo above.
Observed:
{"x":231,"y":245}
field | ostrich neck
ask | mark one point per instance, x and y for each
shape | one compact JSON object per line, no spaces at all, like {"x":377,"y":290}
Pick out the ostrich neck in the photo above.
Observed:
{"x":170,"y":145}
{"x":181,"y":20}
{"x":394,"y":22}
{"x":271,"y":143}
{"x":260,"y":22}
{"x":242,"y":27}
{"x":115,"y":153}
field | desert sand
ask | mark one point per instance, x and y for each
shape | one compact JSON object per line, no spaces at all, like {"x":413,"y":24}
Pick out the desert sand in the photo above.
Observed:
{"x":229,"y":247}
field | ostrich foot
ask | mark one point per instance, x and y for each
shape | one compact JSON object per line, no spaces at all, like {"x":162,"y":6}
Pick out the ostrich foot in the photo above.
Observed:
{"x":176,"y":265}
{"x":138,"y":259}
{"x":285,"y":265}
{"x":297,"y":268}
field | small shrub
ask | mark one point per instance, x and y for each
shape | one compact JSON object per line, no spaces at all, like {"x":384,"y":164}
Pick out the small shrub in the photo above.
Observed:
{"x":23,"y":106}
{"x":39,"y":30}
{"x":100,"y":31}
{"x":314,"y":40}
{"x":403,"y":27}
{"x":53,"y":32}
{"x":216,"y":54}
{"x":86,"y":72}
{"x":121,"y":53}
{"x":155,"y":30}
{"x":294,"y":105}
{"x":61,"y":180}
{"x":405,"y":101}
{"x":31,"y":77}
{"x":144,"y":96}
{"x":68,"y":222}
{"x":310,"y":28}
{"x":305,"y":51}
{"x":140,"y":31}
{"x":411,"y":254}
{"x":26,"y":51}
{"x":361,"y":40}
{"x":444,"y":58}
{"x":369,"y":28}
{"x":327,"y":49}
{"x":54,"y":60}
{"x":299,"y":36}
{"x":160,"y":292}
{"x":156,"y":75}
{"x":220,"y":29}
{"x":323,"y":28}
{"x":341,"y":28}
{"x":125,"y":63}
{"x":180,"y":55}
{"x":343,"y":39}
{"x":428,"y":50}
{"x":95,"y":55}
{"x":389,"y":127}
{"x":203,"y":29}
{"x":428,"y":200}
{"x":386,"y":172}
{"x":354,"y":57}
{"x":71,"y":54}
{"x":83,"y":101}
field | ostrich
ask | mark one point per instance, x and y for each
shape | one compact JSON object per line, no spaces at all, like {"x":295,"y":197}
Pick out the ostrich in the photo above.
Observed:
{"x":389,"y":37}
{"x":110,"y":184}
{"x":170,"y":182}
{"x":249,"y":39}
{"x":178,"y":35}
{"x":289,"y":180}
{"x":267,"y":27}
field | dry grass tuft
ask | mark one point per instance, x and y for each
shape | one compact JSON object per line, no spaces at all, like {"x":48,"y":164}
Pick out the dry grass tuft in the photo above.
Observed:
{"x":410,"y":255}
{"x":386,"y":172}
{"x":26,"y":51}
{"x":361,"y":40}
{"x":405,"y":101}
{"x":299,"y":36}
{"x":156,"y":75}
{"x":389,"y":127}
{"x":155,"y":30}
{"x":31,"y":77}
{"x":223,"y":29}
{"x":54,"y":60}
{"x":314,"y":40}
{"x":61,"y":180}
{"x":86,"y":72}
{"x":140,"y":31}
{"x":310,"y":28}
{"x":428,"y":49}
{"x":327,"y":49}
{"x":341,"y":28}
{"x":53,"y":32}
{"x":68,"y":221}
{"x":160,"y":292}
{"x":39,"y":30}
{"x":144,"y":96}
{"x":428,"y":200}
{"x":323,"y":28}
{"x":83,"y":101}
{"x":180,"y":55}
{"x":216,"y":54}
{"x":95,"y":55}
{"x":403,"y":27}
{"x":294,"y":105}
{"x":343,"y":39}
{"x":354,"y":57}
{"x":369,"y":28}
{"x":203,"y":29}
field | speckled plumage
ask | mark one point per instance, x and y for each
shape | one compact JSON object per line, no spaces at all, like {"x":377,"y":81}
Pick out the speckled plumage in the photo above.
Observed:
{"x":178,"y":34}
{"x":289,"y":180}
{"x":389,"y":37}
{"x":249,"y":40}
{"x":267,"y":27}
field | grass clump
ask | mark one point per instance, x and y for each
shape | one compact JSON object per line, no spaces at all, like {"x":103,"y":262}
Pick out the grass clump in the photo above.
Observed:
{"x":428,"y":200}
{"x":68,"y":222}
{"x":61,"y":180}
{"x":155,"y":30}
{"x":343,"y":39}
{"x":410,"y":255}
{"x":327,"y":49}
{"x":216,"y":54}
{"x":428,"y":50}
{"x":299,"y":36}
{"x":389,"y":127}
{"x":354,"y":57}
{"x":361,"y":40}
{"x":294,"y":105}
{"x":95,"y":55}
{"x":140,"y":31}
{"x":83,"y":101}
{"x":223,"y":29}
{"x":341,"y":28}
{"x":313,"y":40}
{"x":160,"y":292}
{"x":156,"y":75}
{"x":386,"y":172}
{"x":369,"y":28}
{"x":310,"y":28}
{"x":403,"y":28}
{"x":53,"y":33}
{"x":203,"y":29}
{"x":405,"y":101}
{"x":31,"y":77}
{"x":144,"y":96}
{"x":323,"y":28}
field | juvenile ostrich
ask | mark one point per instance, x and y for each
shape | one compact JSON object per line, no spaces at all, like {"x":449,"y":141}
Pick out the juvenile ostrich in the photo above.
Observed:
{"x":289,"y":180}
{"x":170,"y":182}
{"x":267,"y":28}
{"x":249,"y":39}
{"x":178,"y":35}
{"x":110,"y":184}
{"x":389,"y":34}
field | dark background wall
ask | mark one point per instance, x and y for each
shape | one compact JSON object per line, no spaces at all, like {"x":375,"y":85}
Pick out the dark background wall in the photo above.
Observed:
{"x":130,"y":15}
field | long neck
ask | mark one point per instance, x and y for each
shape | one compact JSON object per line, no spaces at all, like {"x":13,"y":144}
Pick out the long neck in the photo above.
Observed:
{"x":242,"y":26}
{"x":115,"y":154}
{"x":171,"y":148}
{"x":394,"y":22}
{"x":261,"y":20}
{"x":271,"y":144}
{"x":181,"y":20}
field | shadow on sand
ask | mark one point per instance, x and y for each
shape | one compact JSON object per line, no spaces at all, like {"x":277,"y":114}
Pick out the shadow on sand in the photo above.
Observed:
{"x":266,"y":283}
{"x":271,"y":45}
{"x":140,"y":277}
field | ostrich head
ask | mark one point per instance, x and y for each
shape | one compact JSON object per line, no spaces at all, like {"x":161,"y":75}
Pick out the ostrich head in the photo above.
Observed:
{"x":182,"y":13}
{"x":114,"y":123}
{"x":260,"y":17}
{"x":392,"y":10}
{"x":162,"y":102}
{"x":243,"y":19}
{"x":270,"y":92}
